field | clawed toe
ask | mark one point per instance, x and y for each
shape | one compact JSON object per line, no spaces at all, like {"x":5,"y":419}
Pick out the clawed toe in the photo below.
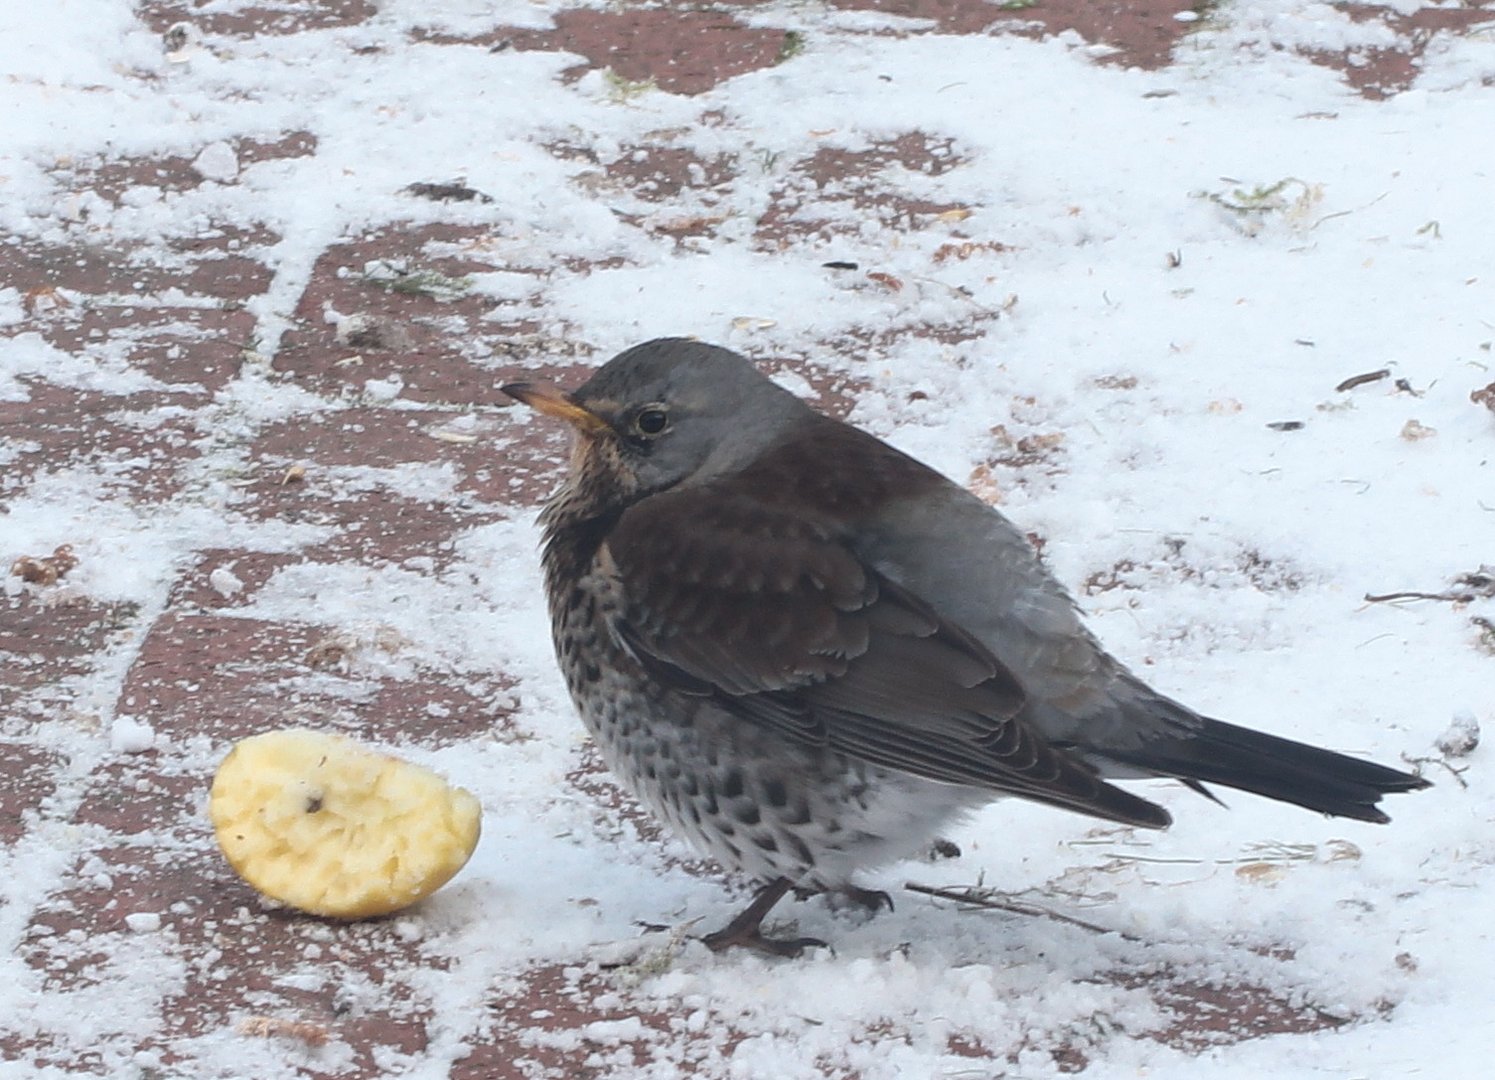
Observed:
{"x":733,"y":938}
{"x":873,"y":900}
{"x":746,"y":931}
{"x":943,"y":849}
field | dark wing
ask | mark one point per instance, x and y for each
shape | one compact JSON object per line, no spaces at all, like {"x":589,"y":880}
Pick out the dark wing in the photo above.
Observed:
{"x":775,"y":618}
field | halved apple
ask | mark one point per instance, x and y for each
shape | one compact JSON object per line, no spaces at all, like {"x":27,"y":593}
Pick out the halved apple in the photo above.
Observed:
{"x":331,"y":827}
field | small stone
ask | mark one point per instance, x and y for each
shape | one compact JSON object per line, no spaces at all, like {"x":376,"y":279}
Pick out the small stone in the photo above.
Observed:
{"x":143,"y":922}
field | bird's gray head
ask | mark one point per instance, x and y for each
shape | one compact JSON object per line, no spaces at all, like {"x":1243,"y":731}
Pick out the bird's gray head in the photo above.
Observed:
{"x":670,"y":411}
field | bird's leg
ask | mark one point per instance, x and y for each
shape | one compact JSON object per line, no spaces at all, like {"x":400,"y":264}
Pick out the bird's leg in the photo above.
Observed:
{"x":746,"y":929}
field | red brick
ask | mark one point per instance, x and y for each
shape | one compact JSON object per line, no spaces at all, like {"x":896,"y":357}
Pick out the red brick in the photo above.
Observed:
{"x":1379,"y":73}
{"x":841,"y":179}
{"x":456,"y":350}
{"x":47,"y":635}
{"x":223,"y":677}
{"x":679,"y":51}
{"x":1143,"y":32}
{"x":188,"y":346}
{"x":161,"y":15}
{"x":238,"y":958}
{"x":27,"y":780}
{"x":60,"y":427}
{"x":513,"y":460}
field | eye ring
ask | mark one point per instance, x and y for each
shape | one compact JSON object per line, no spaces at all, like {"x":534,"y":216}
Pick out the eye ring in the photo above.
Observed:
{"x":652,"y":420}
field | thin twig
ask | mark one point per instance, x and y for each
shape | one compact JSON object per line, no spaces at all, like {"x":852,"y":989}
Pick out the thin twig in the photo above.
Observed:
{"x":1458,"y":774}
{"x":1481,"y":582}
{"x":1360,"y":380}
{"x":1452,"y":597}
{"x":984,"y":899}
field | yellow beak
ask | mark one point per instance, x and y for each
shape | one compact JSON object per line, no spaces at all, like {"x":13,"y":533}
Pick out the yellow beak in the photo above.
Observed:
{"x":553,"y":401}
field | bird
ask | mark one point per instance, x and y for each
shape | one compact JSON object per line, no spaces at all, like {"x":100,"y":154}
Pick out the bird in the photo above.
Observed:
{"x":809,"y":653}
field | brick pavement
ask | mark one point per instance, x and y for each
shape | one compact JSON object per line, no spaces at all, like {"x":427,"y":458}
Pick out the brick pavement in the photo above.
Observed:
{"x":124,"y":833}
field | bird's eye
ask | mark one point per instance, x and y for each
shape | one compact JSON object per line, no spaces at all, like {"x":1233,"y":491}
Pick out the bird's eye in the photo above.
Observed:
{"x":651,"y":421}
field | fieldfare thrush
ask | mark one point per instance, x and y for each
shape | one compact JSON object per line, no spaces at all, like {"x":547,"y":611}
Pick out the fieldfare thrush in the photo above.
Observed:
{"x":808,"y":653}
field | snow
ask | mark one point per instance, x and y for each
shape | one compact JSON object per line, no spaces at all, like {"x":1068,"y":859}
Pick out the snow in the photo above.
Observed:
{"x":217,"y":161}
{"x":143,"y":922}
{"x":129,"y":735}
{"x":1157,"y":302}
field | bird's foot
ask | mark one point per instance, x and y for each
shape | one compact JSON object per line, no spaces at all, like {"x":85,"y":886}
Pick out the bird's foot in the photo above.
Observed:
{"x":870,"y":900}
{"x":746,"y":931}
{"x":943,"y":849}
{"x":844,"y":897}
{"x":731,"y":937}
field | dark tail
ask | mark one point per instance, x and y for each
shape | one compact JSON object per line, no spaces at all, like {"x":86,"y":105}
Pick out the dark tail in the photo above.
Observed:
{"x":1220,"y":753}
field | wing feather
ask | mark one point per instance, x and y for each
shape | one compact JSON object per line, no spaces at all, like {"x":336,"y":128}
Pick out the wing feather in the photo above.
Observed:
{"x":776,"y":618}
